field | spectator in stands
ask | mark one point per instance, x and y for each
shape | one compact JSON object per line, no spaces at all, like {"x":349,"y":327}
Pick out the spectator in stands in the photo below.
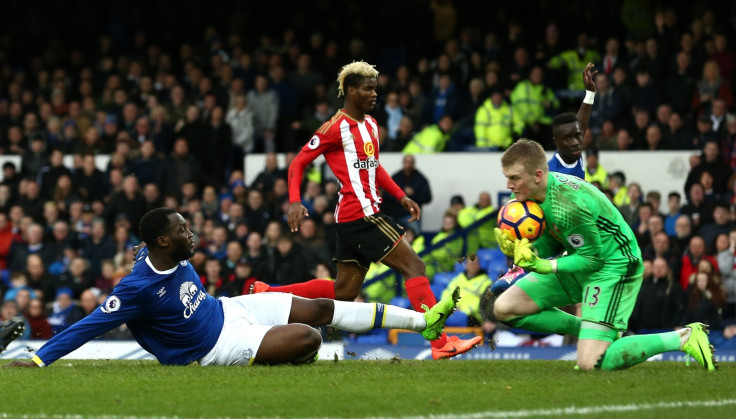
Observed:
{"x":713,"y":162}
{"x":533,"y":103}
{"x":10,"y":314}
{"x":705,"y":301}
{"x":129,"y":201}
{"x":19,"y":251}
{"x":147,"y":164}
{"x":673,"y":213}
{"x":265,"y":179}
{"x":98,"y":246}
{"x":721,"y":225}
{"x":311,"y":239}
{"x":700,"y":212}
{"x":39,"y":326}
{"x":693,"y":256}
{"x":726,"y":262}
{"x":473,"y":282}
{"x":575,"y":60}
{"x":679,"y":85}
{"x":607,"y":105}
{"x":710,"y":87}
{"x":431,"y":139}
{"x":257,"y":214}
{"x":443,"y":257}
{"x":495,"y":125}
{"x":64,"y":311}
{"x":660,"y":301}
{"x":415,"y":185}
{"x":180,"y":167}
{"x":482,"y":235}
{"x":289,"y":264}
{"x":264,"y":102}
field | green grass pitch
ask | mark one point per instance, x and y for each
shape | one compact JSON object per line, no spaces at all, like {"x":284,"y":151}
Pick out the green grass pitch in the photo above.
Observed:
{"x":353,"y":388}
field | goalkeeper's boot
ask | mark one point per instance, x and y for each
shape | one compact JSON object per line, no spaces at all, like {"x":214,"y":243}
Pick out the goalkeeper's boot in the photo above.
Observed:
{"x":698,"y":346}
{"x":258,"y":287}
{"x":436,"y":316}
{"x":11,"y":332}
{"x":455,"y":346}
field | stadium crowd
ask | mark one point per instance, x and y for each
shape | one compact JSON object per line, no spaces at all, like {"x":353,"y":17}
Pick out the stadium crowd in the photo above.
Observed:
{"x":177,"y":114}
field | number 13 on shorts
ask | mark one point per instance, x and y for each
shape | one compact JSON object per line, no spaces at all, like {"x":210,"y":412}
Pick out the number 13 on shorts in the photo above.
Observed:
{"x":592,"y":295}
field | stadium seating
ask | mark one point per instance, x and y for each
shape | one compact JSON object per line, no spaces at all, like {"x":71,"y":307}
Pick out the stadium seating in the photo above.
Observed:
{"x":493,"y":261}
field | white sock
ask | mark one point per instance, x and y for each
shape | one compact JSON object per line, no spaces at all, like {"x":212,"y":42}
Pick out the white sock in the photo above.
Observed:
{"x":362,"y":317}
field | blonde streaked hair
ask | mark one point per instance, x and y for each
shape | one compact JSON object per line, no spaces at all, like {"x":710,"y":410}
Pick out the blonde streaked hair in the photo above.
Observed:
{"x":527,"y":152}
{"x":358,"y":68}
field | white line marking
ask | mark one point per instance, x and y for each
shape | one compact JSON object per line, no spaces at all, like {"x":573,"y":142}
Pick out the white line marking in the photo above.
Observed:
{"x":559,"y":411}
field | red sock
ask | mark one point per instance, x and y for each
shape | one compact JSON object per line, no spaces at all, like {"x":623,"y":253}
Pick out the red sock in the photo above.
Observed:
{"x":316,"y":288}
{"x":419,"y":292}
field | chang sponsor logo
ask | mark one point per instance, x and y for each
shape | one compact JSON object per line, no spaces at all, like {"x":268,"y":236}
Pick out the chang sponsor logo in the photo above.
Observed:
{"x":191,"y":297}
{"x":369,"y":163}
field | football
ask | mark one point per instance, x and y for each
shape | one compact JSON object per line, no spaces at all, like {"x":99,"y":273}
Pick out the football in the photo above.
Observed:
{"x":521,"y":220}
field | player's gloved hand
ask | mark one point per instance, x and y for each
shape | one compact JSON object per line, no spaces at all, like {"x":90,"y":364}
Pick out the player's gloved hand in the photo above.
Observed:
{"x":504,"y":243}
{"x":525,"y":257}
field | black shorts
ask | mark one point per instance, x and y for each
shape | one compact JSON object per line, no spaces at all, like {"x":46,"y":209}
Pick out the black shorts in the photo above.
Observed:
{"x":368,"y":239}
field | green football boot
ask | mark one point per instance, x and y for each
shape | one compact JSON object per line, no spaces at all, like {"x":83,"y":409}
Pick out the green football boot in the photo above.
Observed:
{"x":698,"y":346}
{"x":437,"y":315}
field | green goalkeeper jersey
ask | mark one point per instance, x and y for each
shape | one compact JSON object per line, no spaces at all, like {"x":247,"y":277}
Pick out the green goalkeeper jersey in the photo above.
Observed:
{"x":581,"y":220}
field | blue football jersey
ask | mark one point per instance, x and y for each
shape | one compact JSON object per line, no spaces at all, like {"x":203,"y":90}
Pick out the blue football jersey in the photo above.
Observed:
{"x":556,"y":164}
{"x":169,"y":313}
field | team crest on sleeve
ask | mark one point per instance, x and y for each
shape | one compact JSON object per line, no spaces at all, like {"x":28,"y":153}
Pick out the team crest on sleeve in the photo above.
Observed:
{"x":313,"y":142}
{"x":576,"y":240}
{"x":112,"y":304}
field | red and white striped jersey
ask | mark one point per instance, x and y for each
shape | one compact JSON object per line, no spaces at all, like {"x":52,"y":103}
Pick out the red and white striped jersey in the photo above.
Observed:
{"x":351,"y":150}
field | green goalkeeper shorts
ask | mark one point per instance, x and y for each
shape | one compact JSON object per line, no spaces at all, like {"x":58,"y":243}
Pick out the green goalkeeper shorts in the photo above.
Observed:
{"x":608,"y":296}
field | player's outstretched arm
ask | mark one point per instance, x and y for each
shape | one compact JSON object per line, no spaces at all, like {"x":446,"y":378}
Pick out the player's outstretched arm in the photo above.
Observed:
{"x":585,"y":108}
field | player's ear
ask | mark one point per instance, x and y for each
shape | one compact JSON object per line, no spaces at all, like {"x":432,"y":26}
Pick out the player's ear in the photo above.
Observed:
{"x":162,"y":241}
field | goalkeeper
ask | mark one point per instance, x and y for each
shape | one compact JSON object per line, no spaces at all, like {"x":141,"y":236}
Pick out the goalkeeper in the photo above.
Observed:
{"x":602,"y":270}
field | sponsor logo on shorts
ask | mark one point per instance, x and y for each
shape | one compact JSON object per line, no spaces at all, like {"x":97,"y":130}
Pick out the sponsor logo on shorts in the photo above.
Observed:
{"x":575,"y":240}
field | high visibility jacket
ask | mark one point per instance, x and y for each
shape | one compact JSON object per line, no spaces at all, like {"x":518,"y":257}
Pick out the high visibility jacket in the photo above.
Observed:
{"x":428,"y":140}
{"x":600,"y":176}
{"x":381,"y":291}
{"x":575,"y":66}
{"x":495,"y":127}
{"x":443,"y":258}
{"x":483,"y":235}
{"x":471,"y":291}
{"x":527,"y":102}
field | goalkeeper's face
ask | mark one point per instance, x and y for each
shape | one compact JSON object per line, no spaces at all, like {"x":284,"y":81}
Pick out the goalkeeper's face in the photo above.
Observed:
{"x":523,"y":184}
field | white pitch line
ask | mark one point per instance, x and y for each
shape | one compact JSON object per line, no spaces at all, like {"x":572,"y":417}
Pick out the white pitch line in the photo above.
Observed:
{"x":558,"y":411}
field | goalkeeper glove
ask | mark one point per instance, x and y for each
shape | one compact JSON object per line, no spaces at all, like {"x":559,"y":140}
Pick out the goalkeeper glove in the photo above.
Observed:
{"x":525,"y":257}
{"x":504,"y":243}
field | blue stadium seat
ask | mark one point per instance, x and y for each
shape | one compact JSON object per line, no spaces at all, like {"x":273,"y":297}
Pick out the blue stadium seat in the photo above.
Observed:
{"x":437,"y":290}
{"x":493,"y":261}
{"x":402,"y":302}
{"x":458,"y":318}
{"x":443,"y":278}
